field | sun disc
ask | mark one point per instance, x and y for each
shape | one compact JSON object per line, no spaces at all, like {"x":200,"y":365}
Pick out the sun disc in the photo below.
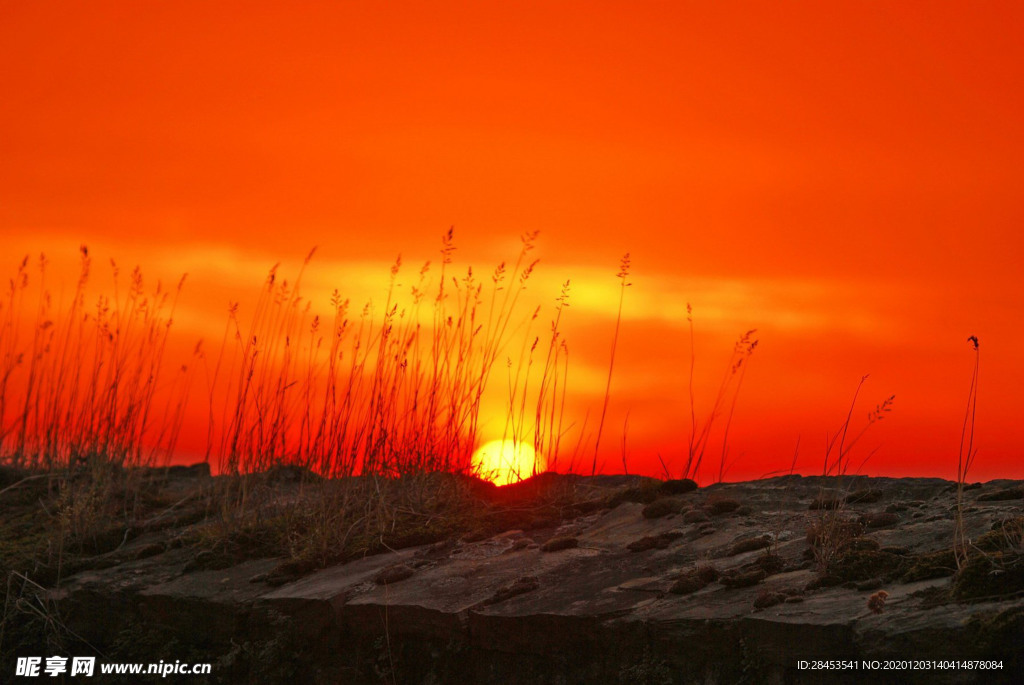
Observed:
{"x":504,"y":461}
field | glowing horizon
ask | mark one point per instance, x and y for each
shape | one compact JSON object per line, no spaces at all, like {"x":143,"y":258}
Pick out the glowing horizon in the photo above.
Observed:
{"x":851,"y":194}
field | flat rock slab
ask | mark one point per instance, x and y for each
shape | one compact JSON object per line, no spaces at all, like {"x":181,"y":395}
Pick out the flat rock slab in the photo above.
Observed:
{"x":600,"y":606}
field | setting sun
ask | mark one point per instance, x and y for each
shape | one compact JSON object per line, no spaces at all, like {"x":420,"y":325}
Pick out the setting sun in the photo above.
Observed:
{"x":516,"y":342}
{"x":504,"y":461}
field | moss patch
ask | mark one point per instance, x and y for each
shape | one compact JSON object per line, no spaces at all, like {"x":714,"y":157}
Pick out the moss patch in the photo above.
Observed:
{"x":866,"y":564}
{"x":695,"y":516}
{"x":660,"y":541}
{"x":926,"y":566}
{"x":642,"y":494}
{"x":990,"y":575}
{"x":863,"y":497}
{"x":766,"y":599}
{"x":694,"y":580}
{"x":662,"y":507}
{"x":679,"y":486}
{"x":721,"y":505}
{"x":1002,"y":495}
{"x":1006,"y":536}
{"x":738,"y":579}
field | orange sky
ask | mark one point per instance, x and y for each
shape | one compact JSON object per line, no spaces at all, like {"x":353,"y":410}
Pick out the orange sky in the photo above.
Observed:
{"x":844,"y":178}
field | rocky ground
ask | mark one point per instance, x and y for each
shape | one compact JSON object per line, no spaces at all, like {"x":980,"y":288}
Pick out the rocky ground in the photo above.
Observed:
{"x":621,"y":580}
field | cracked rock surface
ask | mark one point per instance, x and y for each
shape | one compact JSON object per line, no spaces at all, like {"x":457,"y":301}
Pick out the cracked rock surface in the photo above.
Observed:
{"x":727,"y":583}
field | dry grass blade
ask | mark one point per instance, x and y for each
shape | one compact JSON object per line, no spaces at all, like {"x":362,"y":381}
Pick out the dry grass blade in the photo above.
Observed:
{"x":965,"y":458}
{"x":623,"y":275}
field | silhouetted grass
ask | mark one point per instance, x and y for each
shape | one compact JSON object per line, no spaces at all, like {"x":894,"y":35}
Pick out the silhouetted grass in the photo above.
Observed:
{"x":731,"y":384}
{"x":965,"y":457}
{"x":379,"y":396}
{"x":78,"y":385}
{"x":831,"y":532}
{"x":381,"y":393}
{"x":623,"y":275}
{"x":376,"y":400}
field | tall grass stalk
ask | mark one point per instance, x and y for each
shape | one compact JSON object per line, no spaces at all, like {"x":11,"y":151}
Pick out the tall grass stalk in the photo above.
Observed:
{"x":965,"y":458}
{"x":831,"y":532}
{"x":838,"y":465}
{"x":550,"y":409}
{"x":742,"y":352}
{"x":384,"y":394}
{"x":691,"y":452}
{"x":623,"y":275}
{"x":730,"y":386}
{"x":80,"y":386}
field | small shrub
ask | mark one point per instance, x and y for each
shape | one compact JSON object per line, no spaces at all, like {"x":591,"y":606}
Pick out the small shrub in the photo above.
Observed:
{"x":721,"y":505}
{"x":642,"y":494}
{"x":863,"y":497}
{"x":695,"y":516}
{"x":830,"y":537}
{"x":770,"y":563}
{"x":1002,"y":495}
{"x":1006,"y":535}
{"x":862,"y":565}
{"x":739,"y":579}
{"x":766,"y":599}
{"x":679,"y":486}
{"x":839,"y":532}
{"x":990,"y":575}
{"x":694,"y":580}
{"x":877,"y":601}
{"x":933,"y":596}
{"x":880,"y":520}
{"x":662,"y":507}
{"x":926,"y":566}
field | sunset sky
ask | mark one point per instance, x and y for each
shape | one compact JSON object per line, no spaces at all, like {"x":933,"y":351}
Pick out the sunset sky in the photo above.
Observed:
{"x":844,"y":178}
